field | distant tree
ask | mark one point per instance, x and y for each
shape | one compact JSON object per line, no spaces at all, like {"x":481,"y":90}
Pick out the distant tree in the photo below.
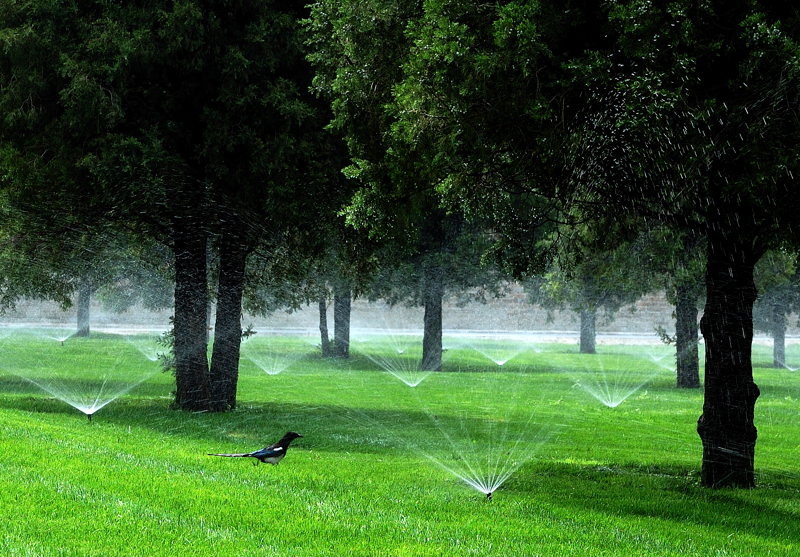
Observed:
{"x":344,"y":262}
{"x":318,"y":259}
{"x":145,"y":277}
{"x":589,"y":280}
{"x":357,"y":49}
{"x":118,"y":269}
{"x":286,"y":277}
{"x":343,"y":272}
{"x":448,"y":264}
{"x":685,"y":290}
{"x":676,"y":262}
{"x":777,"y":278}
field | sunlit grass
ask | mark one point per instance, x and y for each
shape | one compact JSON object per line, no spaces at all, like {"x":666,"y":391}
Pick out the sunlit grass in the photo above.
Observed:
{"x":586,"y":479}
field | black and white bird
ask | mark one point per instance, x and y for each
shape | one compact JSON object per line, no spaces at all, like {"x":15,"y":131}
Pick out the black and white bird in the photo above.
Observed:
{"x":272,"y":454}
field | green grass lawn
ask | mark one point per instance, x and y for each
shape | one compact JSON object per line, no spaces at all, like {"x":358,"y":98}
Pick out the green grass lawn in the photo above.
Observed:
{"x":377,"y":471}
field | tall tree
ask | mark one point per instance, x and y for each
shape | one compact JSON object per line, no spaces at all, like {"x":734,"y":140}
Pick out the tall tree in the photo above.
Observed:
{"x":357,"y":49}
{"x":54,"y":116}
{"x":725,"y":92}
{"x":192,"y":122}
{"x":448,"y":264}
{"x":153,"y":61}
{"x":262,"y":149}
{"x":679,"y":112}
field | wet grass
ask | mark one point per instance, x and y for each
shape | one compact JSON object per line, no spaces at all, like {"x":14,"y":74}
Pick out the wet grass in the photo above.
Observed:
{"x":590,"y":480}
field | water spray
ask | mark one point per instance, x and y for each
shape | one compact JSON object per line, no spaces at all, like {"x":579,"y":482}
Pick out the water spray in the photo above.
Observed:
{"x":273,"y":355}
{"x":96,"y":386}
{"x":482,"y":444}
{"x":399,"y":354}
{"x":611,"y":379}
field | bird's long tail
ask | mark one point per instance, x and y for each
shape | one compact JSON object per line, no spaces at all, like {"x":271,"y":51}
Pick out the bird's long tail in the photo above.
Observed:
{"x":230,"y":454}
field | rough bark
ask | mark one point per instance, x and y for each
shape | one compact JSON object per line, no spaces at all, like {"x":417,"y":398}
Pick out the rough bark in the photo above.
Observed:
{"x":84,"y":309}
{"x":433,"y":292}
{"x":726,"y":426}
{"x":778,"y":336}
{"x":588,"y":330}
{"x":228,"y":324}
{"x":342,"y":298}
{"x":325,"y":343}
{"x":686,"y":338}
{"x":191,"y":300}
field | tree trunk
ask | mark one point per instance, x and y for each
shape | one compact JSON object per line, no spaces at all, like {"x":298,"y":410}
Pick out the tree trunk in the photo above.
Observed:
{"x":726,"y":425}
{"x":191,"y":300}
{"x":686,"y":340}
{"x":588,"y":330}
{"x":778,"y":336}
{"x":325,"y":343}
{"x":84,"y":308}
{"x":228,"y":324}
{"x":433,"y":292}
{"x":341,"y":322}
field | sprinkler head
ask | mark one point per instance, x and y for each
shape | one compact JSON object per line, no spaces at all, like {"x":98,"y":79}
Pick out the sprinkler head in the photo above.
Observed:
{"x":90,"y":417}
{"x":489,"y":495}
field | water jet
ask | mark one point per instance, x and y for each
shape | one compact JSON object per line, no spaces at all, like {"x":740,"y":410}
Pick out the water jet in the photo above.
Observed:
{"x":613,"y":378}
{"x":275,"y":354}
{"x":398,"y":353}
{"x":87,"y":374}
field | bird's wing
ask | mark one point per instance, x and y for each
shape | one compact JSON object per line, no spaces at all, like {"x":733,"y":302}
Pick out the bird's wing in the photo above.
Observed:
{"x":272,"y":450}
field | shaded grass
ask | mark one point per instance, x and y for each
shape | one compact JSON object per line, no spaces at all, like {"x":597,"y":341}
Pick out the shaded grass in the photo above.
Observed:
{"x":619,"y":481}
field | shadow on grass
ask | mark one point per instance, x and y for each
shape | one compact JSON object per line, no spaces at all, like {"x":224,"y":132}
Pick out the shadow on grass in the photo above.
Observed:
{"x":669,"y":493}
{"x":326,"y":427}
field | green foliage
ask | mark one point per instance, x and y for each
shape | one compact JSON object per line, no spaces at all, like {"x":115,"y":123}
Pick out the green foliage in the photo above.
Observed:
{"x":167,"y":341}
{"x":58,"y":66}
{"x":474,"y":96}
{"x":44,"y":130}
{"x":590,"y":274}
{"x":694,"y":115}
{"x":359,"y":51}
{"x":356,"y":49}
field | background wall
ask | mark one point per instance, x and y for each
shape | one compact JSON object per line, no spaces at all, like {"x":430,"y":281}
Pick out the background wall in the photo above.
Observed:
{"x":509,"y":313}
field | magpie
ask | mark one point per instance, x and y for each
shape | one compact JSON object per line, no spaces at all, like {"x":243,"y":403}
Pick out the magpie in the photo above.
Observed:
{"x":272,"y":454}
